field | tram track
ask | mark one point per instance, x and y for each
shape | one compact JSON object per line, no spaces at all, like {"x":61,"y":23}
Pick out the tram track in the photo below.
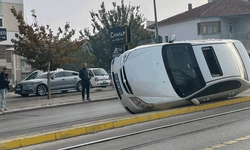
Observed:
{"x":162,"y":127}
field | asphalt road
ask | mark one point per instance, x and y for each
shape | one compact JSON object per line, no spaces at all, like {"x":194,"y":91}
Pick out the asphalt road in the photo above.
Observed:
{"x":178,"y":133}
{"x":58,"y":117}
{"x":62,"y":117}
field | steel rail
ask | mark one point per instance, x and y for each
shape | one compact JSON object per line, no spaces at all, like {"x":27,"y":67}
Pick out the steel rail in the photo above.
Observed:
{"x":157,"y":128}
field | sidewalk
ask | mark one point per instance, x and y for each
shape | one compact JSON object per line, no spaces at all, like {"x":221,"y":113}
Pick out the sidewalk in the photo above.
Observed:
{"x":16,"y":103}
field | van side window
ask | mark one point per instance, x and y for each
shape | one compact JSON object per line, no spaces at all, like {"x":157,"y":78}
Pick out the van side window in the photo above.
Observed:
{"x":212,"y":61}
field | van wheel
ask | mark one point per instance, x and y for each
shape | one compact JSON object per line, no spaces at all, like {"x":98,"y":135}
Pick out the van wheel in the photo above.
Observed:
{"x":41,"y":90}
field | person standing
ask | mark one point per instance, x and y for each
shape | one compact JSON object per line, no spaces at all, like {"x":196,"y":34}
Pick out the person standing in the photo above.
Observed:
{"x":4,"y":82}
{"x":85,"y":80}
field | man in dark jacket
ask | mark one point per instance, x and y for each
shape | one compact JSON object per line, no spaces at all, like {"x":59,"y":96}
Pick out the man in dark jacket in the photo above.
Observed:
{"x":84,"y":75}
{"x":3,"y":88}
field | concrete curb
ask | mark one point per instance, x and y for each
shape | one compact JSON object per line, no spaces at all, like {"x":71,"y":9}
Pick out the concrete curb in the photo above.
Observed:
{"x":109,"y":124}
{"x":58,"y":94}
{"x":57,"y":105}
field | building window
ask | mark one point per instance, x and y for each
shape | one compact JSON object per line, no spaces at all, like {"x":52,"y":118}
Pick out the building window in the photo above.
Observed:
{"x":209,"y":27}
{"x":230,"y":27}
{"x":25,"y":66}
{"x":1,"y":22}
{"x":166,"y":39}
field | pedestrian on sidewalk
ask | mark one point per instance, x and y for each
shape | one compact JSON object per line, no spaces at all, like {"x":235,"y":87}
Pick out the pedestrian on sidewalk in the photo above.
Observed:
{"x":85,"y":80}
{"x":4,"y":82}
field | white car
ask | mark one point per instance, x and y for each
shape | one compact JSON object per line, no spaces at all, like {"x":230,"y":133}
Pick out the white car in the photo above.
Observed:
{"x":166,"y":75}
{"x":99,"y":77}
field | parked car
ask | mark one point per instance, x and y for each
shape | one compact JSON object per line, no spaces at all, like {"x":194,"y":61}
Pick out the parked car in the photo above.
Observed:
{"x":61,"y":80}
{"x":99,"y":77}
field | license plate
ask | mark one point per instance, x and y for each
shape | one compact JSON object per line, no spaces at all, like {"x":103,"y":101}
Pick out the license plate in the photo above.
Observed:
{"x":118,"y":84}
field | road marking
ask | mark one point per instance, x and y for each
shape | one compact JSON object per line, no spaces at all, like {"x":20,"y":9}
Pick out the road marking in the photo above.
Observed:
{"x":218,"y":146}
{"x":228,"y":143}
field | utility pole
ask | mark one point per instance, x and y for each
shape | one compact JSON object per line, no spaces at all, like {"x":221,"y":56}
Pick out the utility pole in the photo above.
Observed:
{"x":48,"y":75}
{"x":156,"y":25}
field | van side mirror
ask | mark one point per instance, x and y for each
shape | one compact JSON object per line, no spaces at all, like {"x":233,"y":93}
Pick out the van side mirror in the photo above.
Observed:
{"x":52,"y":77}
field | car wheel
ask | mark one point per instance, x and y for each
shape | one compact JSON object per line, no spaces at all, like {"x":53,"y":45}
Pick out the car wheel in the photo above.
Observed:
{"x":24,"y":95}
{"x":41,"y":90}
{"x":65,"y":91}
{"x":79,"y":87}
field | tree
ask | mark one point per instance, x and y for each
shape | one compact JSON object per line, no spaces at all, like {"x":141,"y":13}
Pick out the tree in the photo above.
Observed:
{"x":83,"y":56}
{"x":104,"y":20}
{"x":40,"y":46}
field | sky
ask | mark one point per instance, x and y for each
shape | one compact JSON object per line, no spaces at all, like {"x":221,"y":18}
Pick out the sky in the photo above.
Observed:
{"x":56,"y":13}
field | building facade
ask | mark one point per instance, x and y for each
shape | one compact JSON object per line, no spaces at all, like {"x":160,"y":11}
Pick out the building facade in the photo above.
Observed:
{"x":17,"y":67}
{"x":218,"y":19}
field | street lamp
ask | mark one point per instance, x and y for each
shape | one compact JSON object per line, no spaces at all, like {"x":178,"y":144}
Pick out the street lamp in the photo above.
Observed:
{"x":156,"y":25}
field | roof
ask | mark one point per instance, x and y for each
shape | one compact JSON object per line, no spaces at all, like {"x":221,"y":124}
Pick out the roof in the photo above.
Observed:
{"x":212,"y":9}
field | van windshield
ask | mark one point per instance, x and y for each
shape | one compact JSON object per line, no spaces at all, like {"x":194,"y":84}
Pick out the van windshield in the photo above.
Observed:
{"x":99,"y":72}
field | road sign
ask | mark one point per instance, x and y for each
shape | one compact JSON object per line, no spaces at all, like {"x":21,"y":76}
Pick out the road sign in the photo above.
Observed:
{"x":3,"y":34}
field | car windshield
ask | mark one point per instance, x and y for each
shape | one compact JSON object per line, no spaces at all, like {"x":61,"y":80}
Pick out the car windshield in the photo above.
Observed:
{"x":43,"y":76}
{"x":100,"y":72}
